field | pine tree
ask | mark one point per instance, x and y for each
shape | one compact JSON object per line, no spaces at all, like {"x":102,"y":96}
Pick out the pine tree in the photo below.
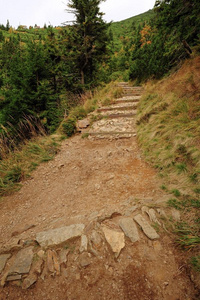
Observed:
{"x":88,"y":37}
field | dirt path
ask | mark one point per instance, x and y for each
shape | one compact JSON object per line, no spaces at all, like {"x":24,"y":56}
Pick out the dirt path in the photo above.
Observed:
{"x":95,"y":181}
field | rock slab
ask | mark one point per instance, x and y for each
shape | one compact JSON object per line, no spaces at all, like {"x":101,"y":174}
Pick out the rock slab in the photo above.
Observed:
{"x":3,"y":260}
{"x":130,"y":229}
{"x":22,"y":262}
{"x":59,"y":235}
{"x":115,"y":239}
{"x":146,"y":227}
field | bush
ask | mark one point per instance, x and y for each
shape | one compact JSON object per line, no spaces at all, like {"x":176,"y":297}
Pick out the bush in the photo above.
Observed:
{"x":78,"y":113}
{"x":69,"y":127}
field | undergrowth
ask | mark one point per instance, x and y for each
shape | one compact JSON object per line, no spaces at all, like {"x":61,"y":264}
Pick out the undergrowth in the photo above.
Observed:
{"x":90,"y":101}
{"x":168,"y":125}
{"x":19,"y":164}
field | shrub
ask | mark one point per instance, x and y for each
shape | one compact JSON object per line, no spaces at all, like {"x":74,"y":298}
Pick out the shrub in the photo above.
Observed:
{"x":69,"y":127}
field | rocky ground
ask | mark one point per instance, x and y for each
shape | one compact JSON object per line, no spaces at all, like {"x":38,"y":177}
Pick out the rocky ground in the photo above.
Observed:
{"x":93,"y":223}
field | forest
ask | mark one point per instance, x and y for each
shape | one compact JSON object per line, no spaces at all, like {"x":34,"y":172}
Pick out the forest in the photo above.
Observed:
{"x":44,"y":72}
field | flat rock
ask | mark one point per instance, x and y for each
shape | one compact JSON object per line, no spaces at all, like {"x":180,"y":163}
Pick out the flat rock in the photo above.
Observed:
{"x":22,"y":262}
{"x":84,"y":244}
{"x":3,"y":260}
{"x":63,"y":255}
{"x":81,"y":124}
{"x":130,"y":229}
{"x":96,"y":239}
{"x":115,"y":239}
{"x":84,"y":260}
{"x":29,"y":281}
{"x":59,"y":235}
{"x":146,"y":227}
{"x":12,"y":245}
{"x":14,"y":277}
{"x":151,"y":214}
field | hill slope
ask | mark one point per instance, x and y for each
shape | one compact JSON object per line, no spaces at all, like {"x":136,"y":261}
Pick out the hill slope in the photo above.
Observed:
{"x":125,"y":28}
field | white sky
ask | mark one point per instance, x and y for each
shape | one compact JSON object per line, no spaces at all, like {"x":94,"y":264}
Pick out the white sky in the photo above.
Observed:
{"x":52,"y":12}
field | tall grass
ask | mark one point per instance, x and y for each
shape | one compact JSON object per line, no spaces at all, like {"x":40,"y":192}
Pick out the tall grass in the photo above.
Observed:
{"x":168,"y":125}
{"x":21,"y":151}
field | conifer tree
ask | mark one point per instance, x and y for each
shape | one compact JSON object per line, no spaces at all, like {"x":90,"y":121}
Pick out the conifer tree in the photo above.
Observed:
{"x":88,"y":38}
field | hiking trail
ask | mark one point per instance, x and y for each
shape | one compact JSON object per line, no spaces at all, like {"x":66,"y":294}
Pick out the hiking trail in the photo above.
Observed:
{"x":92,"y":223}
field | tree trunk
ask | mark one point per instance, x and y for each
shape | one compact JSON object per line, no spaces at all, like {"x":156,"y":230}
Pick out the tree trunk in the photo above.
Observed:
{"x":82,"y":77}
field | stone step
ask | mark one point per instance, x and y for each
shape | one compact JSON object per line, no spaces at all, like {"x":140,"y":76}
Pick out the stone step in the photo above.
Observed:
{"x":133,"y":88}
{"x":116,"y":116}
{"x":116,"y":108}
{"x":130,"y":93}
{"x":128,"y":98}
{"x":111,"y":133}
{"x":126,"y":101}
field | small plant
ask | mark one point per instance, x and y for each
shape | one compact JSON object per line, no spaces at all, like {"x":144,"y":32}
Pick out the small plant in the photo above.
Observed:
{"x":181,"y":168}
{"x":174,"y":203}
{"x":78,"y":113}
{"x":195,"y":262}
{"x":176,"y":193}
{"x":14,"y":175}
{"x":163,"y":187}
{"x":85,"y":135}
{"x":69,"y":127}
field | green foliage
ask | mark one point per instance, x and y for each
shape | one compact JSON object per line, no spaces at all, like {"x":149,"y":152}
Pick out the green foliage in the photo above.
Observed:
{"x":69,"y":127}
{"x":18,"y":165}
{"x":87,"y":38}
{"x":176,"y":193}
{"x":78,"y":113}
{"x":195,"y":262}
{"x":163,"y":46}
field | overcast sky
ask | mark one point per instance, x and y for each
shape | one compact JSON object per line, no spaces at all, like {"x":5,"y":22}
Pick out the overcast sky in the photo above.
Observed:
{"x":52,"y":12}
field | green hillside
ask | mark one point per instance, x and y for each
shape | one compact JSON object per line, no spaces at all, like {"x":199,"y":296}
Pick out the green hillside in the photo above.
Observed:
{"x":125,"y":28}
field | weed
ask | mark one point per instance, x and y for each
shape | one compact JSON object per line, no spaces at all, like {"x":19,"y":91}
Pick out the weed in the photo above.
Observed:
{"x":78,"y":113}
{"x":163,"y":187}
{"x":174,"y":203}
{"x":176,"y":193}
{"x":15,"y":174}
{"x":85,"y":135}
{"x":181,"y":167}
{"x":187,"y":242}
{"x":195,"y":262}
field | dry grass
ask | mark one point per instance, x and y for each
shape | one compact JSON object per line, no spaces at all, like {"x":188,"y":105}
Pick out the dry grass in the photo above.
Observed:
{"x":18,"y":164}
{"x":169,"y":133}
{"x":169,"y":125}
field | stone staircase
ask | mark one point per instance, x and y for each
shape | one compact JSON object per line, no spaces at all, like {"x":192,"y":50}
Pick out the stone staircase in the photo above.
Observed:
{"x":117,"y":121}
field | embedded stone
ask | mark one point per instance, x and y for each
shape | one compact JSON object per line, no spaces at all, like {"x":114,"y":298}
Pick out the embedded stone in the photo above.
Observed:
{"x":130,"y":229}
{"x":115,"y":239}
{"x":3,"y":260}
{"x":146,"y":227}
{"x":22,"y":262}
{"x":63,"y":255}
{"x":83,"y":123}
{"x":14,"y":277}
{"x":59,"y":235}
{"x":84,"y":243}
{"x":84,"y":260}
{"x":95,"y":239}
{"x":29,"y":281}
